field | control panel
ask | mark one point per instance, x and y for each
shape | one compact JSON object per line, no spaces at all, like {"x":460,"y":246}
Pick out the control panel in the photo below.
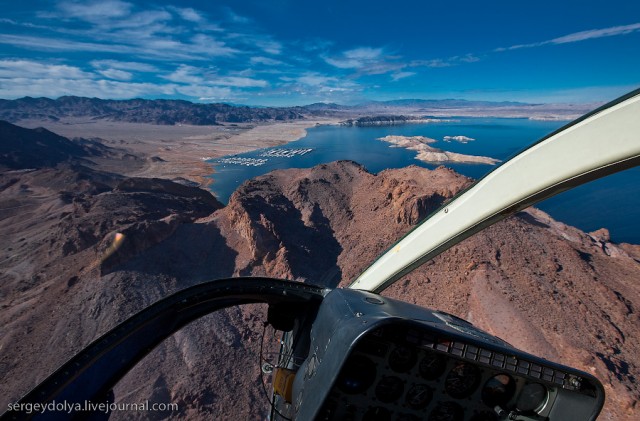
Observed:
{"x":402,"y":373}
{"x":372,"y":358}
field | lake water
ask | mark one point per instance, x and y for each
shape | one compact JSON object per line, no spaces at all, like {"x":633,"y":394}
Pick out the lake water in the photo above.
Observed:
{"x":612,"y":202}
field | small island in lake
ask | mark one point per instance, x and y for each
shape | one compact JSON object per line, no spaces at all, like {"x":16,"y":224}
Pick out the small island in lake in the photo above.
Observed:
{"x":461,"y":139}
{"x":428,"y":153}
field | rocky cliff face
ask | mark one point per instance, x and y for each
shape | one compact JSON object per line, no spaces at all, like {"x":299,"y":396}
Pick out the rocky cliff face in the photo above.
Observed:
{"x":543,"y":286}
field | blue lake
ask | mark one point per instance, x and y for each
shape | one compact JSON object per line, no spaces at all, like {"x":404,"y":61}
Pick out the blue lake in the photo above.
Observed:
{"x":612,"y":202}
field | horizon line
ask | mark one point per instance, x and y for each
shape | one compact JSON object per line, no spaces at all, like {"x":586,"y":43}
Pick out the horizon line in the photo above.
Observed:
{"x":357,"y":104}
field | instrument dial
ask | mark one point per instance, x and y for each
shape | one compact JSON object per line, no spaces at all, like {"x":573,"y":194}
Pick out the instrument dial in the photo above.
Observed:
{"x":419,"y":396}
{"x":462,"y":380}
{"x":432,"y":365}
{"x":402,"y":358}
{"x":532,"y":398}
{"x":389,"y":389}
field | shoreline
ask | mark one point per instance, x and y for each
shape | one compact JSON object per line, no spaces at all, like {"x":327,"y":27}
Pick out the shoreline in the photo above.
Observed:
{"x":177,"y":152}
{"x":260,"y":137}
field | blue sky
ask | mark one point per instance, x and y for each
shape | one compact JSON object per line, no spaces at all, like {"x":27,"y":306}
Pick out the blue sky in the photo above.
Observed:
{"x":294,"y":52}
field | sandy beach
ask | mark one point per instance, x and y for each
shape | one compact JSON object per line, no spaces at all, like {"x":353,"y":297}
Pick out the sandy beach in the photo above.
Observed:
{"x":178,"y":151}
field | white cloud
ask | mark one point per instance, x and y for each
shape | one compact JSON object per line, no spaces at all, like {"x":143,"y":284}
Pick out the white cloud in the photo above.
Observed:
{"x":234,"y":17}
{"x":188,"y":14}
{"x":255,"y":41}
{"x":314,"y":79}
{"x":124,"y":65}
{"x":434,"y":63}
{"x":578,"y":36}
{"x":343,"y":63}
{"x":367,"y":61}
{"x":238,"y":82}
{"x":110,"y":15}
{"x":28,"y":69}
{"x":356,"y":58}
{"x":364,"y":53}
{"x":116,"y":74}
{"x":19,"y":78}
{"x":467,"y":58}
{"x":445,"y":62}
{"x":185,"y":74}
{"x":269,"y":46}
{"x":191,"y":75}
{"x":313,"y":84}
{"x":123,"y":28}
{"x":148,"y":19}
{"x":200,"y":47}
{"x":210,"y":46}
{"x":95,"y":11}
{"x":401,"y":75}
{"x":597,"y":33}
{"x":206,"y":93}
{"x":49,"y":44}
{"x":266,"y":61}
{"x":54,"y":88}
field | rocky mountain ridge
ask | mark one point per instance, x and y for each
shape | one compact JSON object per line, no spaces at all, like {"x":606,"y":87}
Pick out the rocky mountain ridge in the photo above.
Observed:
{"x":173,"y":112}
{"x":159,"y":111}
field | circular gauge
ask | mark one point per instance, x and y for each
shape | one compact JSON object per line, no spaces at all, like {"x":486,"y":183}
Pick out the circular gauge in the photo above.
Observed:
{"x":432,"y":365}
{"x":419,"y":396}
{"x":377,"y":414}
{"x":462,"y":380}
{"x":498,"y":390}
{"x":532,"y":398}
{"x":358,"y":373}
{"x":447,"y":411}
{"x":389,"y":389}
{"x":402,"y":358}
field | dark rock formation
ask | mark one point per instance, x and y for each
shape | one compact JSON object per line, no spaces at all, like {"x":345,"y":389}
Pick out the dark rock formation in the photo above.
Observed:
{"x":26,"y":148}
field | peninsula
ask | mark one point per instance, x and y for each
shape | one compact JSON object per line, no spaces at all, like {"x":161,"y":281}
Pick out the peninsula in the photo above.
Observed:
{"x":427,"y":153}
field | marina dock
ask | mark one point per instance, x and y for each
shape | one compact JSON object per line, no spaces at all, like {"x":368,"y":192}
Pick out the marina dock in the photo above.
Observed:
{"x":285,"y":153}
{"x":256,"y":162}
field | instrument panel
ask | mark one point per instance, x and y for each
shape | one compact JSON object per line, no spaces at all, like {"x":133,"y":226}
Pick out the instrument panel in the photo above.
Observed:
{"x":372,"y":358}
{"x":401,"y":373}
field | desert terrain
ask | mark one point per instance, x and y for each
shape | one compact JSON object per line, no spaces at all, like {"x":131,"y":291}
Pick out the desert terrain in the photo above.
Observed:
{"x":177,"y":151}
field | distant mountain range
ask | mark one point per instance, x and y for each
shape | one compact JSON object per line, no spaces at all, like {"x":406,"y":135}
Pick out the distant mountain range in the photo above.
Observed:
{"x":171,"y":112}
{"x":158,"y":111}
